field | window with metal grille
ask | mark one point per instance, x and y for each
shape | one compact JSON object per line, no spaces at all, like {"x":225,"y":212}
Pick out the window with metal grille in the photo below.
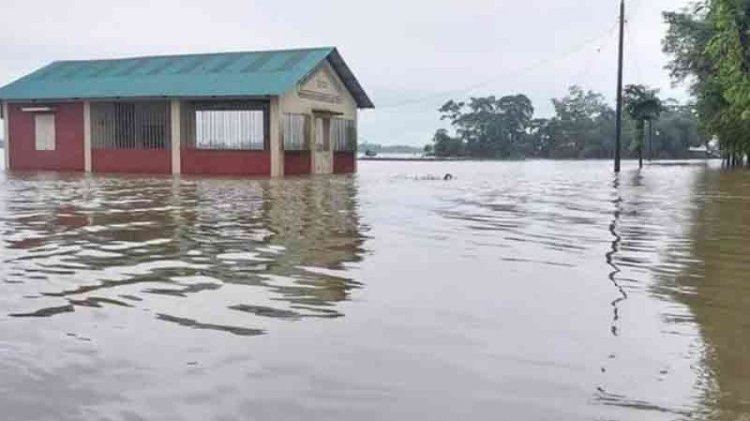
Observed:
{"x":225,"y":125}
{"x":130,"y":125}
{"x":343,"y":135}
{"x":44,"y":132}
{"x":296,"y":128}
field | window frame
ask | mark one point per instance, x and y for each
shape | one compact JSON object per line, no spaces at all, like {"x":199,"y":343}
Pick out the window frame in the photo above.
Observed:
{"x":50,"y":142}
{"x":304,"y":145}
{"x":131,"y":125}
{"x":190,"y":122}
{"x":350,"y":134}
{"x":229,"y":130}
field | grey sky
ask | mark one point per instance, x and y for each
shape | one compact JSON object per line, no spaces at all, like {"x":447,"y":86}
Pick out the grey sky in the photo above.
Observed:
{"x":410,"y":56}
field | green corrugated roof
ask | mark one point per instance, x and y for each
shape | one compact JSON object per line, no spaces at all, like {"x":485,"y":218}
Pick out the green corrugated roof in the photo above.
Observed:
{"x":252,"y":73}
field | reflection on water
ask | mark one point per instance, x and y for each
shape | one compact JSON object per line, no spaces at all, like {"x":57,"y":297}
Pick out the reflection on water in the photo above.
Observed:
{"x":536,"y":290}
{"x":94,"y":242}
{"x":610,"y":256}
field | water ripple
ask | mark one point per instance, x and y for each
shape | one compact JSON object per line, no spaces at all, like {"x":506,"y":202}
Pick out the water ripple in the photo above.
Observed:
{"x":539,"y":290}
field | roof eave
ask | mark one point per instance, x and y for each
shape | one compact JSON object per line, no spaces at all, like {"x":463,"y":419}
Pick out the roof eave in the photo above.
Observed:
{"x":350,"y":81}
{"x":136,"y":98}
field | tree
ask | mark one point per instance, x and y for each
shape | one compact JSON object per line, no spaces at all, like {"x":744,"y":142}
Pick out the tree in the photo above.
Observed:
{"x":728,"y":49}
{"x":537,"y":141}
{"x":675,"y":132}
{"x":490,"y":127}
{"x":710,"y":49}
{"x":582,"y":127}
{"x":642,"y":105}
{"x":447,"y":146}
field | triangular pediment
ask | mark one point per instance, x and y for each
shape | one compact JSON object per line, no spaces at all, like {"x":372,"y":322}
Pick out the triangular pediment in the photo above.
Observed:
{"x":322,"y":85}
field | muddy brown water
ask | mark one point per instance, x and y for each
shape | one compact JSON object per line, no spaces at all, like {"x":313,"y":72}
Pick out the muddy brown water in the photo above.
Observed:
{"x":530,"y":290}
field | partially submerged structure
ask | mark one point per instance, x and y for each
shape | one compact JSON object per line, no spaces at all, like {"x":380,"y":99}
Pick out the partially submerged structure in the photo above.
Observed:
{"x":263,"y":113}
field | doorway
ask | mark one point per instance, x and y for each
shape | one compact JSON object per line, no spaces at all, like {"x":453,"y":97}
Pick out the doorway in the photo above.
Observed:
{"x":322,"y":153}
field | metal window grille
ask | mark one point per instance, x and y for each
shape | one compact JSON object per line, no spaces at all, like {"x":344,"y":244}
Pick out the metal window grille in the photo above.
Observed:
{"x":234,"y":125}
{"x":130,"y":125}
{"x":343,"y":135}
{"x":296,"y":129}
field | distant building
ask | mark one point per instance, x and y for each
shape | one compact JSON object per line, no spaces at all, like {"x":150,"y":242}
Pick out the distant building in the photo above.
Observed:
{"x":709,"y":150}
{"x":263,"y":113}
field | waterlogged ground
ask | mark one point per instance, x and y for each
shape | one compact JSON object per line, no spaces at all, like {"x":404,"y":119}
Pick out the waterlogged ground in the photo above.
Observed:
{"x":536,"y":290}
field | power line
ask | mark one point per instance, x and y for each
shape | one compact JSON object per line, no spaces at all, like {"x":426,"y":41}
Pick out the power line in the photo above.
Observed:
{"x":631,"y":44}
{"x":534,"y":65}
{"x":586,"y":69}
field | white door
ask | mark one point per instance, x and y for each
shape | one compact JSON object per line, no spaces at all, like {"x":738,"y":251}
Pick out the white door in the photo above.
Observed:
{"x":323,"y":155}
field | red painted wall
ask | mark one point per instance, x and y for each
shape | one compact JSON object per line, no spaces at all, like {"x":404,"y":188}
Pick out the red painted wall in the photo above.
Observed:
{"x":197,"y":161}
{"x":68,"y":153}
{"x":344,"y":162}
{"x":297,"y":162}
{"x":145,"y":161}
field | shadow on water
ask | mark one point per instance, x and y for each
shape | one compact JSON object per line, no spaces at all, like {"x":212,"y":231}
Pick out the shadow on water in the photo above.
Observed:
{"x":713,"y":281}
{"x":175,"y":247}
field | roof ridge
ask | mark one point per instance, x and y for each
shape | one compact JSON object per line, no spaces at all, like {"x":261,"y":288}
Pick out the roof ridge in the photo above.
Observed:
{"x":283,"y":50}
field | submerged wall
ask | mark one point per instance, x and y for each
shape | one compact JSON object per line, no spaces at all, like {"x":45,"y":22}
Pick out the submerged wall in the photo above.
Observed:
{"x":143,"y":161}
{"x":297,"y":162}
{"x":69,"y":133}
{"x":226,"y":162}
{"x":344,"y":162}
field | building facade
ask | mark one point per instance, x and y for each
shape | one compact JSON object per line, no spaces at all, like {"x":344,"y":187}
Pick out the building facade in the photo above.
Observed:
{"x":267,"y":113}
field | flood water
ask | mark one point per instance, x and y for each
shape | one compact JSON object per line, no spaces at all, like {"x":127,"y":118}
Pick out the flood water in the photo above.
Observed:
{"x":529,"y":290}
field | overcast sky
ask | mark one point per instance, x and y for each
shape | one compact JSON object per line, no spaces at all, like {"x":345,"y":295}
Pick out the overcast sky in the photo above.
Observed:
{"x":410,"y":56}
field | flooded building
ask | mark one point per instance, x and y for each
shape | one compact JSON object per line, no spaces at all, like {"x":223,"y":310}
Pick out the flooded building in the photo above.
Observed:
{"x":263,"y":113}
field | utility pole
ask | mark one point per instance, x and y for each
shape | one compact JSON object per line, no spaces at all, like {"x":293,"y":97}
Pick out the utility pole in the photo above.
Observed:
{"x":618,"y":136}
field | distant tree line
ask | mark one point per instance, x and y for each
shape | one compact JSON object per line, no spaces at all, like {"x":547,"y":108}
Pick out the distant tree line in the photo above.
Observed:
{"x":374,"y":149}
{"x":583,"y":127}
